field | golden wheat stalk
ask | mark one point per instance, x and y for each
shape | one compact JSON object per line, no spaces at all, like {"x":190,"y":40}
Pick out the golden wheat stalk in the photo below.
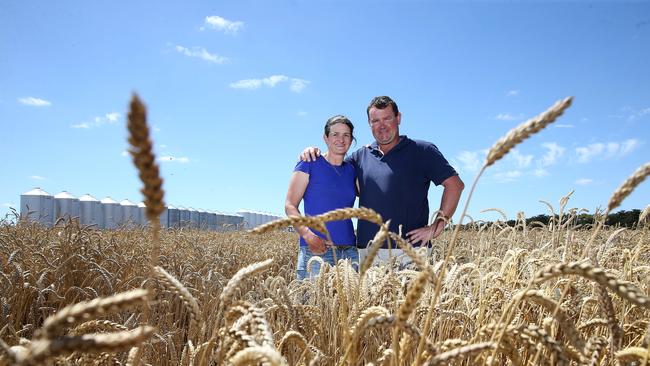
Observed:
{"x":174,"y":285}
{"x":644,"y":214}
{"x":257,"y":354}
{"x":89,"y":310}
{"x":96,"y":326}
{"x":628,"y":186}
{"x":586,"y":270}
{"x":446,"y":357}
{"x":498,"y":150}
{"x":145,"y":160}
{"x":43,"y":349}
{"x":525,"y":130}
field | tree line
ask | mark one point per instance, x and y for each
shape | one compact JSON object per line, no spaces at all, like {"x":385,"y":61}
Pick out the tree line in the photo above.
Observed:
{"x":623,"y":218}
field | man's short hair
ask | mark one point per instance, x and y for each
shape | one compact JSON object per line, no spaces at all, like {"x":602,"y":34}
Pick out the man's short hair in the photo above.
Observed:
{"x":382,"y":102}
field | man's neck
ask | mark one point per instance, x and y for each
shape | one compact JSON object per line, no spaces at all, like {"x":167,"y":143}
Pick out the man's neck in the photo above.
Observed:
{"x":388,"y":147}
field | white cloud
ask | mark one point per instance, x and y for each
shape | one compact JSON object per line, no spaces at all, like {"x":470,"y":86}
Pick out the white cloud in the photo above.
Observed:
{"x":125,"y":153}
{"x":301,"y":113}
{"x":81,"y":125}
{"x":586,"y":153}
{"x":34,"y":102}
{"x":629,"y":145}
{"x":522,"y":161}
{"x":553,"y":153}
{"x":634,"y":114}
{"x":108,"y":118}
{"x":584,"y":181}
{"x":8,"y":204}
{"x":173,"y":159}
{"x":508,"y":176}
{"x":512,"y":93}
{"x":559,"y":125}
{"x":273,"y":80}
{"x":36,"y":177}
{"x":222,"y":24}
{"x":202,"y":53}
{"x":507,"y":117}
{"x":295,"y":85}
{"x":111,"y":117}
{"x":246,"y":84}
{"x":469,"y":160}
{"x":540,"y":172}
{"x":606,"y":150}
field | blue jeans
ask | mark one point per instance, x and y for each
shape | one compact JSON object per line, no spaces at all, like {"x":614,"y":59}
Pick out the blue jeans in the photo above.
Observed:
{"x":344,"y":252}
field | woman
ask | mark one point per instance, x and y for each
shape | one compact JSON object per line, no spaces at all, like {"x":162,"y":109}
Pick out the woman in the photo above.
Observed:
{"x":325,"y":184}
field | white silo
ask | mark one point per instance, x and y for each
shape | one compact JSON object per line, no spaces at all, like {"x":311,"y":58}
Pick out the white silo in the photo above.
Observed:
{"x":130,"y":213}
{"x":37,"y":205}
{"x":194,"y":217}
{"x":111,"y":212}
{"x":246,"y":214}
{"x":163,"y":219}
{"x":212,"y":220}
{"x":258,"y":218}
{"x":221,"y":221}
{"x":173,"y":217}
{"x":90,"y":211}
{"x":66,"y":206}
{"x":142,"y":214}
{"x":184,"y":217}
{"x":203,"y":219}
{"x":238,"y":221}
{"x":230,"y":222}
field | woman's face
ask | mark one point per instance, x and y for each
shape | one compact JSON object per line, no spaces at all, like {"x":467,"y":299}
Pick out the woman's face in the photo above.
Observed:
{"x":339,"y":140}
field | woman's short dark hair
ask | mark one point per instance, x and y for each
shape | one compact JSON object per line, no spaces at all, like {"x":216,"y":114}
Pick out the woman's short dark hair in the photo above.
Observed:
{"x":382,"y":102}
{"x":339,"y":119}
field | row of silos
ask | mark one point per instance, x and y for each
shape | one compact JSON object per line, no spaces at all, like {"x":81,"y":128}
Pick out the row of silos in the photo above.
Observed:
{"x":257,"y":218}
{"x":38,"y":205}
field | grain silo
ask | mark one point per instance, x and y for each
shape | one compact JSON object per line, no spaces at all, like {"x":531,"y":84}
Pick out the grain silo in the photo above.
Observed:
{"x":142,"y":214}
{"x":221,"y":221}
{"x":194,"y":217}
{"x":184,"y":217}
{"x":258,"y":218}
{"x":163,"y":218}
{"x":203,"y":219}
{"x":246,"y":214}
{"x":112,"y":213}
{"x":238,"y":221}
{"x":212,"y":219}
{"x":37,"y":205}
{"x":90,"y":211}
{"x":173,"y":217}
{"x":130,"y":213}
{"x":66,"y":207}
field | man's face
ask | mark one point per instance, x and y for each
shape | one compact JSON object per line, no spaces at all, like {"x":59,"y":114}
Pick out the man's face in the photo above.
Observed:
{"x":384,"y":125}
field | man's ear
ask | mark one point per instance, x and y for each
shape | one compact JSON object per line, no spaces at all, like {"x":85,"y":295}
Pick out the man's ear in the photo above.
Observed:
{"x":399,"y":117}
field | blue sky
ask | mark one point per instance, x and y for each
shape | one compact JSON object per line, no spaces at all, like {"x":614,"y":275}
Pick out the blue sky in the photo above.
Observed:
{"x":236,"y":89}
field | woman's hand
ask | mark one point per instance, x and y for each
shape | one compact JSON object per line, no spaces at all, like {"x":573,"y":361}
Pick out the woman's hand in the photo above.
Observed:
{"x":316,"y":244}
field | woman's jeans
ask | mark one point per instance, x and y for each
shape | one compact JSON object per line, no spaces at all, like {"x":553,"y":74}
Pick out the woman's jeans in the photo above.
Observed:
{"x":342,"y":252}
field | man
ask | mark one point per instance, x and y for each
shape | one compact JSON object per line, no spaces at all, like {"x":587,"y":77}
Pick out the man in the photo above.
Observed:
{"x":394,"y":174}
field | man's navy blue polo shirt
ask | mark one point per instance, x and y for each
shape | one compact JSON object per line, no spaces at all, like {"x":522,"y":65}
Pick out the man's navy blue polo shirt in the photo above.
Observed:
{"x":396,"y":185}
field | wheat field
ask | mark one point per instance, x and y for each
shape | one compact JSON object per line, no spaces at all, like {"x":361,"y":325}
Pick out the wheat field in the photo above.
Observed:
{"x":489,"y":294}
